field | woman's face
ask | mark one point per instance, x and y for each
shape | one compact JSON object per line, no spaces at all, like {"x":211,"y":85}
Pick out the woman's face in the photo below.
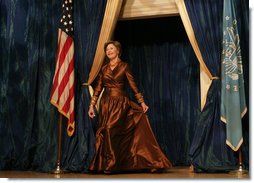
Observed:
{"x":112,"y":51}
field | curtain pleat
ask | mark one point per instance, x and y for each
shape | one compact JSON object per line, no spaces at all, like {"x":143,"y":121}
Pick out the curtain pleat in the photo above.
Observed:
{"x":28,"y":122}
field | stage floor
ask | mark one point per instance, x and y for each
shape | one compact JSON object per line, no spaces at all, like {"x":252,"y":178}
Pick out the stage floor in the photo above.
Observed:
{"x":174,"y":173}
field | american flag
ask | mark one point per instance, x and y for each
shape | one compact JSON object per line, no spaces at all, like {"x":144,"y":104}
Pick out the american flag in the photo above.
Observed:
{"x":62,"y":93}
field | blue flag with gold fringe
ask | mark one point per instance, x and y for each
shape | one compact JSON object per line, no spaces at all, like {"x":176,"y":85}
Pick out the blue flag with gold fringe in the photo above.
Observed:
{"x":233,"y":105}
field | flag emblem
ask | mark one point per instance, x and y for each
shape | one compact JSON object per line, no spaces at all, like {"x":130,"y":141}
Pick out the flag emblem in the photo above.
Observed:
{"x":233,"y":105}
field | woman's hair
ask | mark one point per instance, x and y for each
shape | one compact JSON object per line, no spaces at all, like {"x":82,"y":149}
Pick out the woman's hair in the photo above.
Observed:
{"x":116,"y":44}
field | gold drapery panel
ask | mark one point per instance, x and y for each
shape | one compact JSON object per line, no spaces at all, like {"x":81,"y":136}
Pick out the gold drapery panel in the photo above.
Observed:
{"x":206,"y":77}
{"x":137,"y":9}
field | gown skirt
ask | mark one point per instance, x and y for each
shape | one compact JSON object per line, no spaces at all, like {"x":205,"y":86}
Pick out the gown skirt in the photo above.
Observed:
{"x":124,"y":138}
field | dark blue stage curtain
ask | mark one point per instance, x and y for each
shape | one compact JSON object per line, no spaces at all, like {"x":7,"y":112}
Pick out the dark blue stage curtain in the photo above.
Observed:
{"x":208,"y":149}
{"x":28,"y":122}
{"x":167,"y":73}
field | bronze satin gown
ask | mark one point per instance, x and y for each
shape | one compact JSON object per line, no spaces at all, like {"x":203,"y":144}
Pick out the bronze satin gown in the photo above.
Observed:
{"x":124,"y":139}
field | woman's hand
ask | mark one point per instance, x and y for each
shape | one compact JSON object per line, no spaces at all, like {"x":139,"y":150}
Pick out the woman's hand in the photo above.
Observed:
{"x":91,"y":112}
{"x":144,"y":107}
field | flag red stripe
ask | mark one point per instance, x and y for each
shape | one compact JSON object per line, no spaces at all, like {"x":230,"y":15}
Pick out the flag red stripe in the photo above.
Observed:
{"x":66,"y":77}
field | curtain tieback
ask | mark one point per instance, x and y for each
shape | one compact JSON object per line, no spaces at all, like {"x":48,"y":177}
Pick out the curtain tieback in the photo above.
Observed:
{"x":214,"y":78}
{"x":85,"y":84}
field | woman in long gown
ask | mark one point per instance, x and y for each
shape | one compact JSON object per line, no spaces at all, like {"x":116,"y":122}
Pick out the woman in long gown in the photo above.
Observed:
{"x":124,"y":139}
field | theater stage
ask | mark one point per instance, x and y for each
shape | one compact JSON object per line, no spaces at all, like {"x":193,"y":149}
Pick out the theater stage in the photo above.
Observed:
{"x":174,"y":173}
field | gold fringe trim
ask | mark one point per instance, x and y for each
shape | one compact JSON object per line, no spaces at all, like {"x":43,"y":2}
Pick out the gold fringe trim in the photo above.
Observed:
{"x":59,"y":110}
{"x":70,"y":125}
{"x":233,"y":147}
{"x":70,"y":129}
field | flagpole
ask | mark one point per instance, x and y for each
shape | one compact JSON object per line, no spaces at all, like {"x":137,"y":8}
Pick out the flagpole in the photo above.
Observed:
{"x":240,"y":169}
{"x":240,"y":160}
{"x":58,"y":162}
